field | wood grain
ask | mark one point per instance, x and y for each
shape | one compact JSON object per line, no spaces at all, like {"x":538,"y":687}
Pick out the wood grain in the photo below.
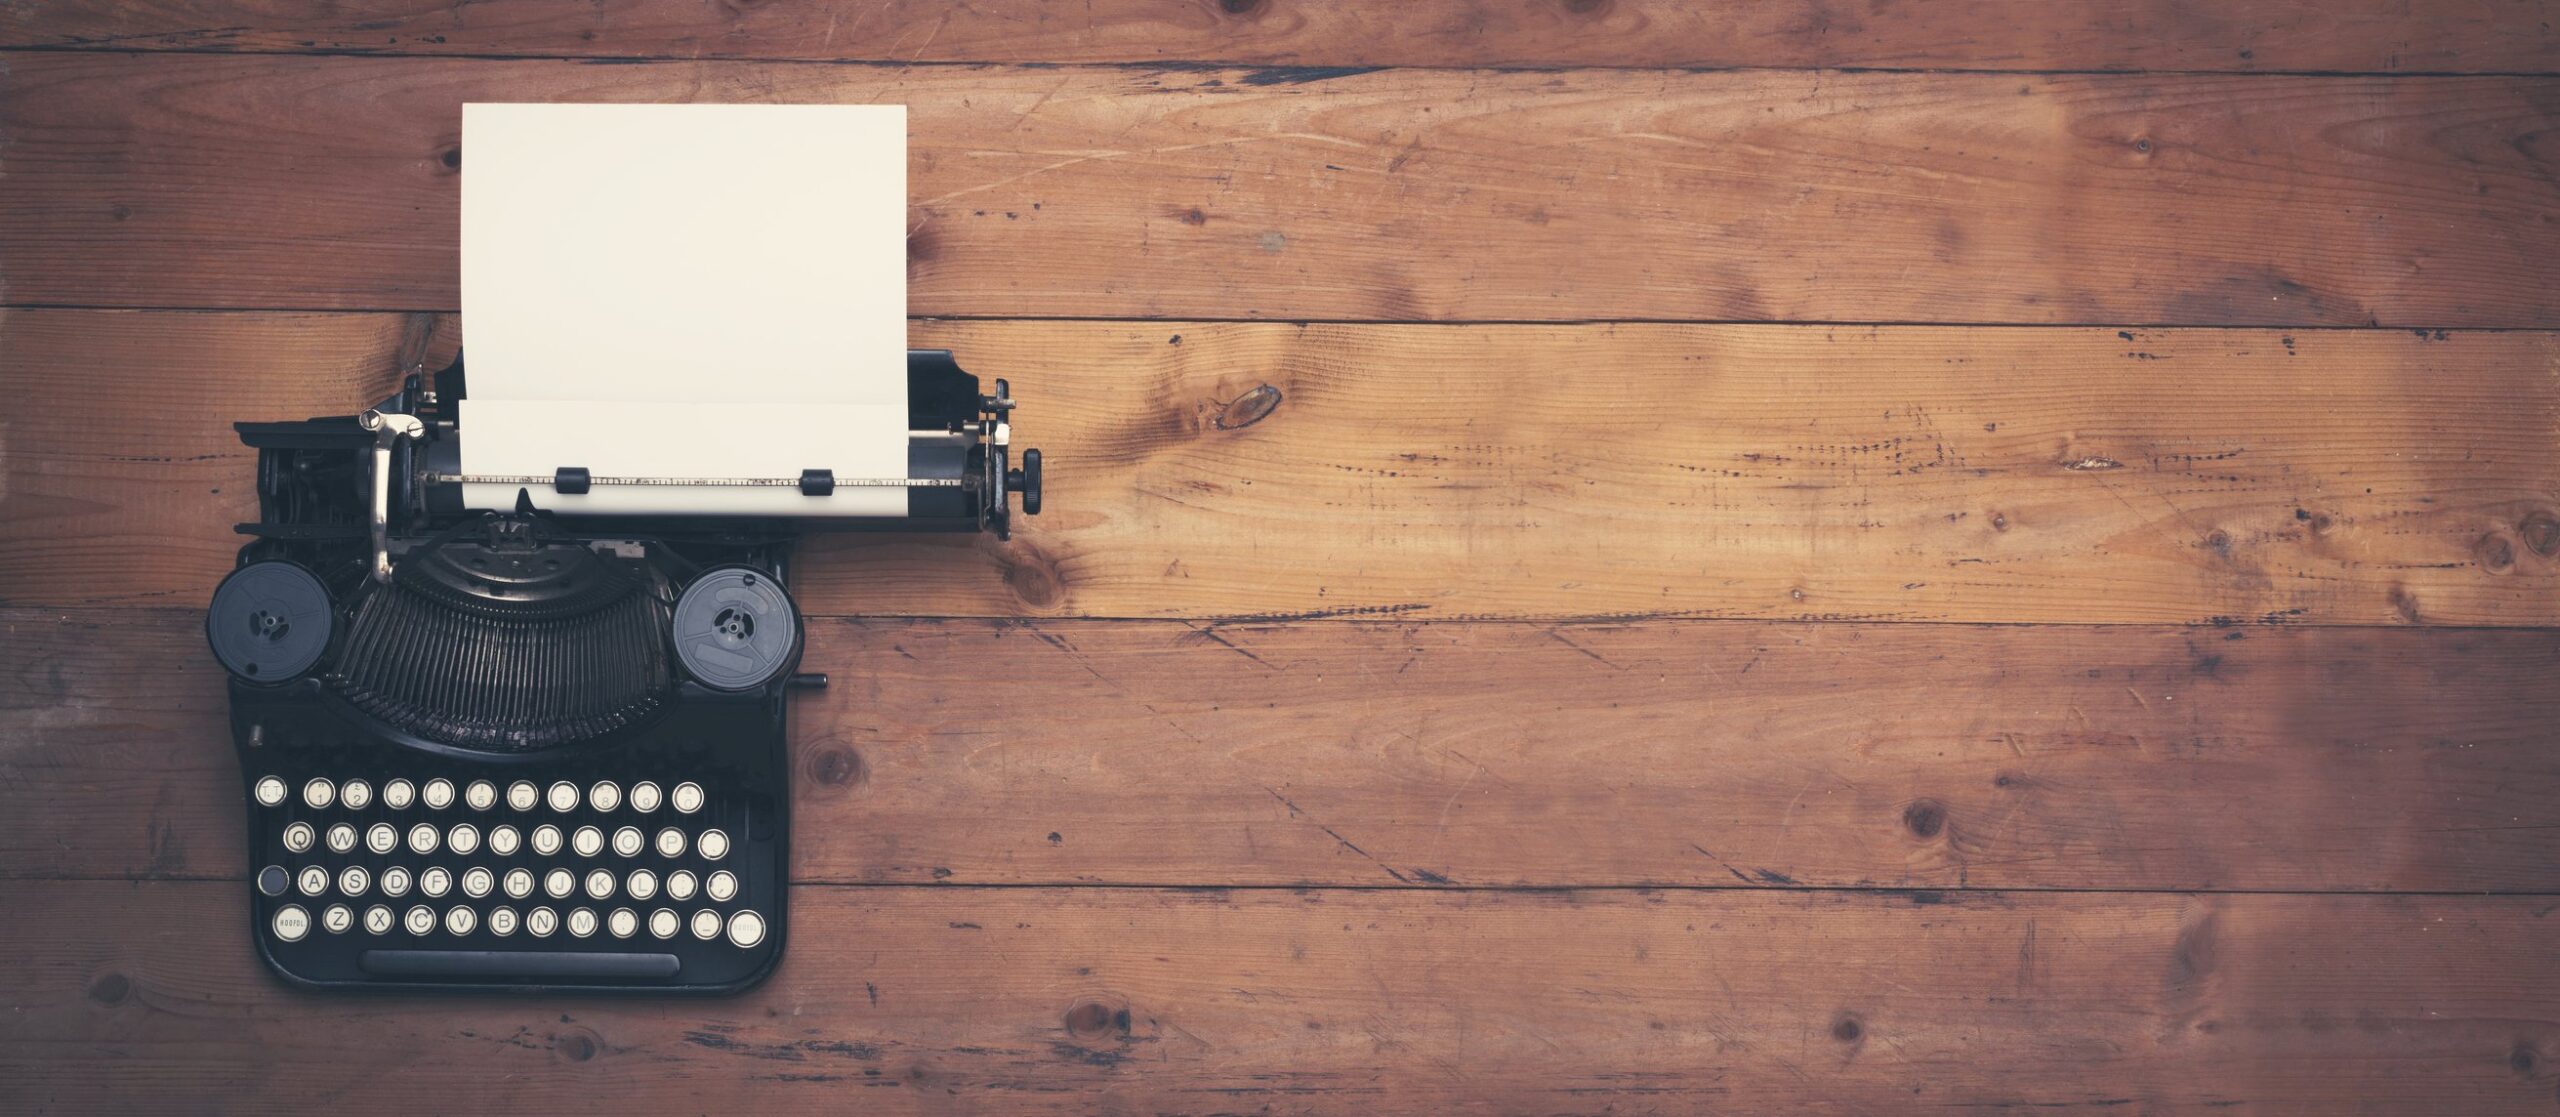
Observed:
{"x":296,"y":182}
{"x":2245,"y":35}
{"x":1966,"y":474}
{"x":969,"y":1000}
{"x":1694,"y":754}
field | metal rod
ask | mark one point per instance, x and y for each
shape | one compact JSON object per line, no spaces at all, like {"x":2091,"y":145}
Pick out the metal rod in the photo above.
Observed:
{"x":699,"y":482}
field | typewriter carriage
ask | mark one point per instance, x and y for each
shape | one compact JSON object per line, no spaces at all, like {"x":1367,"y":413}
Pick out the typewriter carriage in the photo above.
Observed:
{"x":493,"y":633}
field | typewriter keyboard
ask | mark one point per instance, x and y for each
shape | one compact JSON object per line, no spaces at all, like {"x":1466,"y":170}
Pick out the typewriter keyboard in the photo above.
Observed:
{"x":508,"y":879}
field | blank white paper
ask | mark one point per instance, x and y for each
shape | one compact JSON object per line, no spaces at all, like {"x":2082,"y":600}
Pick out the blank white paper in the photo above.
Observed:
{"x":685,"y":291}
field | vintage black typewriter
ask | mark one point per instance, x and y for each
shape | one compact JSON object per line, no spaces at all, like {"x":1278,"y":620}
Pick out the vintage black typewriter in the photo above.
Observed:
{"x":521,"y":750}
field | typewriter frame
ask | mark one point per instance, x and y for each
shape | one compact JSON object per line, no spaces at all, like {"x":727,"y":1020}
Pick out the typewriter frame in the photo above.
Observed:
{"x":346,"y":501}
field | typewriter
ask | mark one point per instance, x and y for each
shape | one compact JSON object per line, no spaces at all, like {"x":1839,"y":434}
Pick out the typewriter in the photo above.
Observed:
{"x":518,"y":749}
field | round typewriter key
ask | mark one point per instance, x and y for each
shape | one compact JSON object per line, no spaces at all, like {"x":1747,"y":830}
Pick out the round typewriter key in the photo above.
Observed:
{"x":664,"y":923}
{"x":463,"y":839}
{"x":503,"y":840}
{"x":341,"y":837}
{"x":722,"y":887}
{"x":523,"y":796}
{"x":460,"y":920}
{"x":582,"y":923}
{"x":641,"y":884}
{"x":671,"y":842}
{"x":297,"y":837}
{"x":477,"y":881}
{"x":644,"y":797}
{"x":381,"y":838}
{"x":502,"y":921}
{"x":313,"y":881}
{"x":600,"y":884}
{"x":353,"y":880}
{"x":398,"y":794}
{"x":422,"y":838}
{"x":735,"y":629}
{"x":546,"y":839}
{"x":519,"y":883}
{"x":680,"y":885}
{"x":623,"y":923}
{"x":435,"y":882}
{"x":706,"y":924}
{"x":377,"y":920}
{"x":688,"y":797}
{"x":292,"y":923}
{"x":269,"y":621}
{"x":439,"y":794}
{"x":421,"y":919}
{"x":604,"y":796}
{"x":628,"y":842}
{"x":272,"y":880}
{"x":746,"y":929}
{"x":559,"y":883}
{"x":713,"y":845}
{"x":318,"y":794}
{"x":588,"y":841}
{"x":541,"y":921}
{"x":356,"y":794}
{"x":564,"y":797}
{"x":270,"y":791}
{"x":337,"y":919}
{"x":395,"y":882}
{"x":481,"y":795}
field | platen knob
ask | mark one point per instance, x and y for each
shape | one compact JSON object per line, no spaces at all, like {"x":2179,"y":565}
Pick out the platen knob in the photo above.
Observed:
{"x":1026,"y":480}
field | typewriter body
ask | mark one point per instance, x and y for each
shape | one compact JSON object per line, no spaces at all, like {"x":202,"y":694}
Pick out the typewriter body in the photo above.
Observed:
{"x":513,"y":749}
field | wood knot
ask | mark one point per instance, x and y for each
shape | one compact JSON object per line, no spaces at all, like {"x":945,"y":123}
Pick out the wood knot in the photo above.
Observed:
{"x":450,"y":158}
{"x":1247,"y":409}
{"x":577,"y":1047}
{"x":1094,"y":1020}
{"x":1848,"y":1028}
{"x":1999,"y":521}
{"x":2541,"y":533}
{"x":2405,"y":604}
{"x":2523,"y":1060}
{"x":120,"y":212}
{"x":1587,"y":9}
{"x":1034,"y":581}
{"x":2497,"y":553}
{"x":922,"y":244}
{"x":111,"y":989}
{"x":1242,"y":7}
{"x":1925,"y":818}
{"x":1195,"y":216}
{"x":837,"y":766}
{"x":2219,"y":541}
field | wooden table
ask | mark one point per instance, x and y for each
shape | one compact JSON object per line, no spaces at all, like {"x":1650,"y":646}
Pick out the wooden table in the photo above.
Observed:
{"x":1604,"y":556}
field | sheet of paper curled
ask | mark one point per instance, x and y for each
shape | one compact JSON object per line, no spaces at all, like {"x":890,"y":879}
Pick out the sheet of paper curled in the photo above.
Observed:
{"x":685,"y":291}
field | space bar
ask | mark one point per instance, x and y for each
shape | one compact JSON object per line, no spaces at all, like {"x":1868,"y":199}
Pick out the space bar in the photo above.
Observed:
{"x":517,"y":964}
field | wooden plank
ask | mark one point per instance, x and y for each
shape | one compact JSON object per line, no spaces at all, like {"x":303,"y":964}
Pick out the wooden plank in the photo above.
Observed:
{"x":1670,"y":753}
{"x":1966,"y":474}
{"x":134,"y":998}
{"x":2246,"y":35}
{"x":281,"y":181}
